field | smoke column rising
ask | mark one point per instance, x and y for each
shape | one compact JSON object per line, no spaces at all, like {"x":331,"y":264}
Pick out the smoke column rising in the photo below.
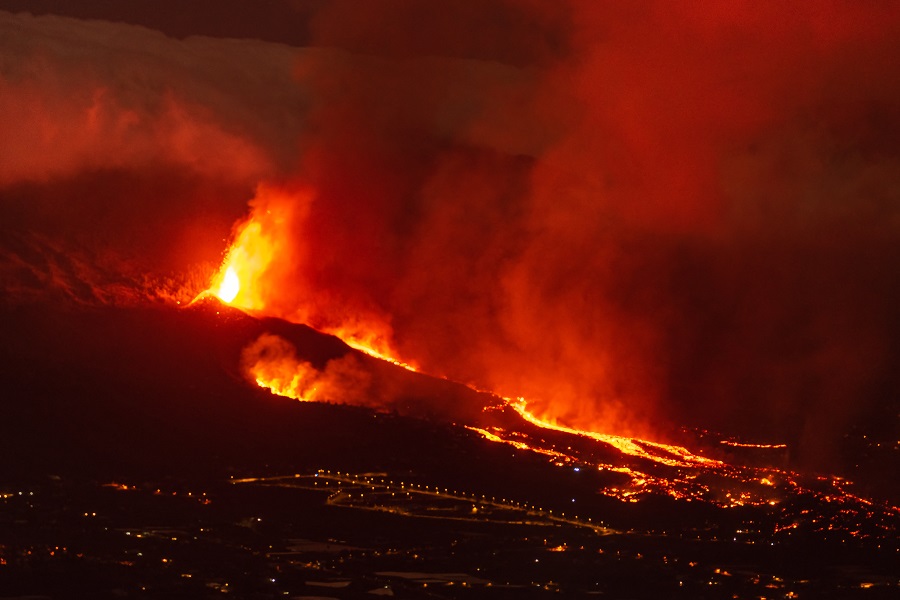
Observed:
{"x":632,"y":214}
{"x":674,"y":212}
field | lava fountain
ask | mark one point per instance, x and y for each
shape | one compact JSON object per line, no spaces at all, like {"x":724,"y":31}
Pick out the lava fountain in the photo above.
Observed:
{"x":230,"y":286}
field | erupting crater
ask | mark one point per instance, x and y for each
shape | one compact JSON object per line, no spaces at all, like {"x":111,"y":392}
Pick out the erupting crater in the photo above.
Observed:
{"x":637,"y":468}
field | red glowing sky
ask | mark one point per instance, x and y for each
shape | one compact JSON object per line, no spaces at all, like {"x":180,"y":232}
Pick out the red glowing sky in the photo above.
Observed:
{"x":634,"y":213}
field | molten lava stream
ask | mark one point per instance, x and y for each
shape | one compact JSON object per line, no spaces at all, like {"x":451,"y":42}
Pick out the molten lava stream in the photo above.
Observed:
{"x":252,"y":250}
{"x":228,"y":288}
{"x":277,"y":368}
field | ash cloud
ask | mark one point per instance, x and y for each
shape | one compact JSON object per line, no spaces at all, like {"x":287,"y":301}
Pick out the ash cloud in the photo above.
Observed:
{"x":674,"y":212}
{"x":129,"y":151}
{"x":633,"y":213}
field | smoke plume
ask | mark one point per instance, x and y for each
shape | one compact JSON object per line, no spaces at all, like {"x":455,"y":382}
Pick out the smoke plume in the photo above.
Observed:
{"x":131,"y":153}
{"x":632,"y":214}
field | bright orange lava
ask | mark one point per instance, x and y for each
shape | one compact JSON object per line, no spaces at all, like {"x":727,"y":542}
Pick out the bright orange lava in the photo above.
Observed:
{"x":229,"y":287}
{"x":245,"y":262}
{"x":673,"y":456}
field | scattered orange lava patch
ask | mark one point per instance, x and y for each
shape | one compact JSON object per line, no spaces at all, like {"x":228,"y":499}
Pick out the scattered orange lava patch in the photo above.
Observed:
{"x":272,"y":363}
{"x":735,"y":444}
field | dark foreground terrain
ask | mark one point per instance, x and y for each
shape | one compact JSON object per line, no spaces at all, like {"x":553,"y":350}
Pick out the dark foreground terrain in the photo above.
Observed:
{"x":324,"y":535}
{"x":138,"y":462}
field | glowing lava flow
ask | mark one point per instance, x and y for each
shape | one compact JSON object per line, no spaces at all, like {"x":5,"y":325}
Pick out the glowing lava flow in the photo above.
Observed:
{"x":673,"y":456}
{"x":283,"y":374}
{"x":648,"y":467}
{"x":370,"y":349}
{"x":253,"y":250}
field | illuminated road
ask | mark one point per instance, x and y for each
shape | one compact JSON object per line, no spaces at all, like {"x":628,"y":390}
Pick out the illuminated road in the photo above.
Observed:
{"x":380,"y":493}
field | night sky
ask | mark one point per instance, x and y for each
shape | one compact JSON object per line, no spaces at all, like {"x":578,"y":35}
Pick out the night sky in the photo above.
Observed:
{"x":638,"y":215}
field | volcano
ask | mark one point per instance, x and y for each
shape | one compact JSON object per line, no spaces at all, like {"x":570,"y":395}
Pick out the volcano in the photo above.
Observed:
{"x":337,"y":299}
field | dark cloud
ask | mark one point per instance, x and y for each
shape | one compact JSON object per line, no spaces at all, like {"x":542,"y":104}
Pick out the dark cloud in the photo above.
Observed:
{"x":280,"y":21}
{"x":90,"y":95}
{"x":513,"y":32}
{"x":687,"y":213}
